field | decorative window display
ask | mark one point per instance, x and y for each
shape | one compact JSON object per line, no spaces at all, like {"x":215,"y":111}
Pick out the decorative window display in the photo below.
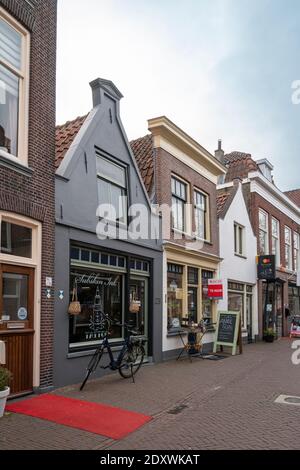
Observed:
{"x":207,"y":303}
{"x":175,"y":295}
{"x":98,"y":292}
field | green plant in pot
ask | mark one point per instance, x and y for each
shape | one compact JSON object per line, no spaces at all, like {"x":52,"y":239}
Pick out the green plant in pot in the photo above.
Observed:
{"x":5,"y":377}
{"x":269,"y":335}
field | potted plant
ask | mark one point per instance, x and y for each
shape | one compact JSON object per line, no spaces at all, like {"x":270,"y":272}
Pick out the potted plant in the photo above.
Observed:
{"x":5,"y":377}
{"x":269,"y":335}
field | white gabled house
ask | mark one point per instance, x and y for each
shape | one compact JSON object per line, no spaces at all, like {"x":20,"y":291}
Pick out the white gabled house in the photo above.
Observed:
{"x":238,"y":249}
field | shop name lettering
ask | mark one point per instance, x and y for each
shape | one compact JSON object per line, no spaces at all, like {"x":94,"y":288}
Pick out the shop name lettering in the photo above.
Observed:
{"x":95,"y":279}
{"x":89,"y":336}
{"x":176,"y":459}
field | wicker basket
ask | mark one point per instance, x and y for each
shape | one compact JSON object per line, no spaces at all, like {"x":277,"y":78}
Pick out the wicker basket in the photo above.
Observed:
{"x":74,"y":307}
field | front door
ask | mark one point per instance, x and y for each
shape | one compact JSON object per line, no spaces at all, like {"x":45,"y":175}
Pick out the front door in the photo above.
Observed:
{"x":17,"y":324}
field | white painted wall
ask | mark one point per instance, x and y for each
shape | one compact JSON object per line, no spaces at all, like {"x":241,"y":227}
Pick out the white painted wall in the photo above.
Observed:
{"x":234,"y":267}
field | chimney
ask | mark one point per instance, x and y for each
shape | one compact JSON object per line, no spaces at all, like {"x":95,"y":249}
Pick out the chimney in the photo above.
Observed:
{"x":100,"y":86}
{"x":219,"y":154}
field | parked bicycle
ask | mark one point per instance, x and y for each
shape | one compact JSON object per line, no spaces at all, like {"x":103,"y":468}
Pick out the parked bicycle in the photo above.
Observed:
{"x":129,"y":359}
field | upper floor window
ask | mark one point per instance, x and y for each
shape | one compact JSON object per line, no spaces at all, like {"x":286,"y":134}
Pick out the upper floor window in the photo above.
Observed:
{"x":263,"y":232}
{"x":14,"y":60}
{"x":276,"y":240}
{"x":296,"y":251}
{"x":239,"y":242}
{"x":201,"y":208}
{"x":288,"y":247}
{"x":112,"y":188}
{"x":179,"y":200}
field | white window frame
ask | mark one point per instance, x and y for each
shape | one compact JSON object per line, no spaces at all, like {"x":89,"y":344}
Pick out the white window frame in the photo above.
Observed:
{"x":266,"y":232}
{"x":296,"y":240}
{"x":288,"y":245}
{"x":23,"y":75}
{"x":186,"y":203}
{"x":239,"y":248}
{"x":207,"y":235}
{"x":113,"y":182}
{"x":276,"y":239}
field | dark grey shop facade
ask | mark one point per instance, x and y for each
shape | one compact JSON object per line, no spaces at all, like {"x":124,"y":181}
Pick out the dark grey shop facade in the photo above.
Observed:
{"x":94,"y":166}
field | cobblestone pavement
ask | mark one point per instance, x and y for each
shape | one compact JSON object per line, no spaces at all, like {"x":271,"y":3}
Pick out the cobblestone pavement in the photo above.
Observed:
{"x":226,"y":404}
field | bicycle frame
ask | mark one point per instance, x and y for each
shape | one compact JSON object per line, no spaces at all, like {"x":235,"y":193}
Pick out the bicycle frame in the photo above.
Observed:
{"x":114,"y":363}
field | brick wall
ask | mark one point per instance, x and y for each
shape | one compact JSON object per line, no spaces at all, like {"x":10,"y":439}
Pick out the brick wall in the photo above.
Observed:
{"x":257,"y":202}
{"x":166,"y":165}
{"x":33,"y":196}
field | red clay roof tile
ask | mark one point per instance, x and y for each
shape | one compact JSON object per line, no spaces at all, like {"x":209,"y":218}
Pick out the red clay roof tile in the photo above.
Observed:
{"x":294,"y":195}
{"x":65,"y":135}
{"x":142,"y":149}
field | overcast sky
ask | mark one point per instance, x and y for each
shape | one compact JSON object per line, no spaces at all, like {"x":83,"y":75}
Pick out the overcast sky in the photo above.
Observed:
{"x":217,"y":68}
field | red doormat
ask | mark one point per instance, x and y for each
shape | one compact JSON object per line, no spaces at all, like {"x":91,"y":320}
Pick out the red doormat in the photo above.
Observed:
{"x":96,"y":418}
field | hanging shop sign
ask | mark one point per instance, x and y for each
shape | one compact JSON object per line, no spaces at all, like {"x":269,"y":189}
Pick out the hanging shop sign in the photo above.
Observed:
{"x":227,"y":333}
{"x":266,"y":267}
{"x":215,"y":289}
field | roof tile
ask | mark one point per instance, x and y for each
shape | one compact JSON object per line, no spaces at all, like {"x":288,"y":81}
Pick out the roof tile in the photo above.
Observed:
{"x":142,"y":149}
{"x":65,"y":135}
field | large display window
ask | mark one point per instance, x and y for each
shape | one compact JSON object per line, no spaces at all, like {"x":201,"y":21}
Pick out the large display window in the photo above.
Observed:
{"x":98,"y":292}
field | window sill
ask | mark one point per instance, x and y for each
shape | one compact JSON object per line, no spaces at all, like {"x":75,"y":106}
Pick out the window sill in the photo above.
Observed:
{"x":176,"y":333}
{"x":89,"y":352}
{"x":13,"y":163}
{"x":240,"y":256}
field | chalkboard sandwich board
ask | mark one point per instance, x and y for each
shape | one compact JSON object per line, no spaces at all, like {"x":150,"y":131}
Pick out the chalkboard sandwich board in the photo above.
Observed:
{"x":227,"y":333}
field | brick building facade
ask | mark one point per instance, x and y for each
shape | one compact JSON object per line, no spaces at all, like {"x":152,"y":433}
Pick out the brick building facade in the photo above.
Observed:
{"x":27,"y":188}
{"x":182,"y":176}
{"x":275,"y":219}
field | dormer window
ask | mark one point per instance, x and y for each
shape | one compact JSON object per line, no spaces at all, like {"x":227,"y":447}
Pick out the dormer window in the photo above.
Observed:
{"x":266,"y":169}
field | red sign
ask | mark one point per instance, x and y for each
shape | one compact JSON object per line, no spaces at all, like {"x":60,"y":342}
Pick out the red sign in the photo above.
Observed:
{"x":215,"y":289}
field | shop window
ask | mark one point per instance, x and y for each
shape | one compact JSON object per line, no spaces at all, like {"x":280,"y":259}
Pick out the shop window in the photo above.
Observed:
{"x":207,"y":303}
{"x":201,"y":215}
{"x":179,"y":200}
{"x":16,"y":240}
{"x":193,"y":276}
{"x":14,"y":56}
{"x":174,"y":296}
{"x":95,"y":257}
{"x":75,"y":253}
{"x":98,"y":292}
{"x":139,"y":265}
{"x":87,"y":256}
{"x":193,"y":279}
{"x":263,"y":232}
{"x":236,"y":304}
{"x":104,"y":259}
{"x":112,"y":187}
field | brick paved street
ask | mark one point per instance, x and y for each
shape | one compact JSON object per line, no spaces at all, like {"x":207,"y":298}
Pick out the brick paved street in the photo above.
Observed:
{"x":227,"y":404}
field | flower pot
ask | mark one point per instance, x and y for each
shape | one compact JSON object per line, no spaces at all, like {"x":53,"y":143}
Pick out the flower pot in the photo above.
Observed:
{"x":3,"y":397}
{"x":269,"y":339}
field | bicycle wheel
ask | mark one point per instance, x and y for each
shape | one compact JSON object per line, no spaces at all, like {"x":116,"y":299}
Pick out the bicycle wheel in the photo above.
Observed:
{"x":92,"y":366}
{"x":132,"y":360}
